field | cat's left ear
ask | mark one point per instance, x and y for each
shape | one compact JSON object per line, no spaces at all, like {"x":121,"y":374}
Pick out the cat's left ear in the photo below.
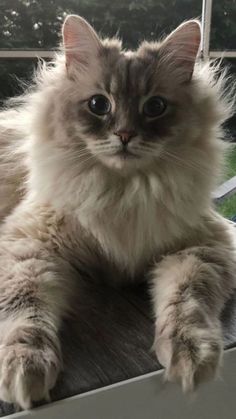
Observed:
{"x":180,"y":48}
{"x":81,"y":43}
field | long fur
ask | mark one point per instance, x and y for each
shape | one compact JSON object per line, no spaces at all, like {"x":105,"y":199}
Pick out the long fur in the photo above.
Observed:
{"x":68,"y":206}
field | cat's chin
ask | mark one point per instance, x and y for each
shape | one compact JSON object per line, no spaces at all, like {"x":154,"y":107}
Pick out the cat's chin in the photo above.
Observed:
{"x":121,"y":162}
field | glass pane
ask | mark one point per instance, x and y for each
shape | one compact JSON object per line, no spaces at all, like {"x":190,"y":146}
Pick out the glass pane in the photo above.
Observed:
{"x":231,"y":124}
{"x":37,"y":23}
{"x":13,"y":75}
{"x":223,"y":30}
{"x":228,"y":207}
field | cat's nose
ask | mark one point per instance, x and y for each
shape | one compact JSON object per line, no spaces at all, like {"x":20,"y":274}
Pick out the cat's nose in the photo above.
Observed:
{"x":125,"y":135}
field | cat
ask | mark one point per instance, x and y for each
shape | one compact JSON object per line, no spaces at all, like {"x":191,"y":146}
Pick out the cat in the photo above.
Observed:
{"x":108,"y":164}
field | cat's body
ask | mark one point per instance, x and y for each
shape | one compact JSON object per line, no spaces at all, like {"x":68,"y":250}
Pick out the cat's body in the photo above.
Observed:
{"x":107,"y":189}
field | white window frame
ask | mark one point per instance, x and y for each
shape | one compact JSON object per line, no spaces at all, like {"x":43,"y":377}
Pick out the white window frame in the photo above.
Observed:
{"x":205,"y":51}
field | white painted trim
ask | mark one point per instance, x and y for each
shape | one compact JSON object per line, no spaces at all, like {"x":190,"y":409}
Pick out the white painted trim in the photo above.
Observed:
{"x":206,"y":28}
{"x":222,"y":54}
{"x":50,"y":54}
{"x":27,"y":53}
{"x":148,"y":397}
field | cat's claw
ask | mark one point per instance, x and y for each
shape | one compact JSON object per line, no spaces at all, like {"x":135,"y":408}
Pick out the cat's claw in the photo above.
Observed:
{"x":27,"y":374}
{"x":190,"y":360}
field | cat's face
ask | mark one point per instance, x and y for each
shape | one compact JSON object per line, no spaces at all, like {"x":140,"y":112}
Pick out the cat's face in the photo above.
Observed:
{"x":128,"y":116}
{"x":127,"y":108}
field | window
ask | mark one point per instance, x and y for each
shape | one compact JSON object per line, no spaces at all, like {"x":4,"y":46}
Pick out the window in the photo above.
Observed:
{"x":32,"y":28}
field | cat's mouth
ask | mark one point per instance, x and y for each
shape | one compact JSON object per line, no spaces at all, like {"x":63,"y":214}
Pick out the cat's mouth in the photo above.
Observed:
{"x":126,"y":154}
{"x":121,"y":158}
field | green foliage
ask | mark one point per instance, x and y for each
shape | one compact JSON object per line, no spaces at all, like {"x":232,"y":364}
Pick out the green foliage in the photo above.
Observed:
{"x":36,"y":23}
{"x":231,"y":164}
{"x":228,"y":207}
{"x":223,"y":29}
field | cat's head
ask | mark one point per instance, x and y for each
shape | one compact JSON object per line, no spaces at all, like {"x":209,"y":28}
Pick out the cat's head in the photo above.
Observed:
{"x":127,"y":109}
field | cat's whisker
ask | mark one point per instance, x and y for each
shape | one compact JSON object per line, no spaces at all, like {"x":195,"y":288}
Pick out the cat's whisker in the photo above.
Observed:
{"x":187,"y":163}
{"x":101,"y":142}
{"x":148,"y":147}
{"x":143,"y":150}
{"x":76,"y":156}
{"x":192,"y":164}
{"x":106,"y":148}
{"x":147,"y":144}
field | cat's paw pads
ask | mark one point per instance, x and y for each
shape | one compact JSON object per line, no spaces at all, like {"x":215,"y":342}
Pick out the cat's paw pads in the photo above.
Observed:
{"x":27,"y":374}
{"x":190,"y":360}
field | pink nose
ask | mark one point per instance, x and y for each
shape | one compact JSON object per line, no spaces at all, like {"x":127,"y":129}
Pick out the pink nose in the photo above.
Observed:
{"x":125,"y":135}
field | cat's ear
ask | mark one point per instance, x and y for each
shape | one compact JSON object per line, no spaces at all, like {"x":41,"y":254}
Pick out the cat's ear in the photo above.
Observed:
{"x":80,"y":41}
{"x":180,"y":48}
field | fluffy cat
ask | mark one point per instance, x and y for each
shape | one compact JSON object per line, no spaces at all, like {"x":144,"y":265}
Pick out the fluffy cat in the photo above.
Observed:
{"x":107,"y":167}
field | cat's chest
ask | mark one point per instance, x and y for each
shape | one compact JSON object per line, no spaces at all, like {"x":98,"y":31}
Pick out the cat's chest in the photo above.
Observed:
{"x":130,"y":240}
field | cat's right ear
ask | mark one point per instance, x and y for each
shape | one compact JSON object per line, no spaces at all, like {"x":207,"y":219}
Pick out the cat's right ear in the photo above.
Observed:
{"x":80,"y":41}
{"x":179,"y":50}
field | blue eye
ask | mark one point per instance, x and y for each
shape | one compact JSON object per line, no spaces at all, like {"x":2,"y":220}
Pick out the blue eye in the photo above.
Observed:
{"x":99,"y":105}
{"x":155,"y":106}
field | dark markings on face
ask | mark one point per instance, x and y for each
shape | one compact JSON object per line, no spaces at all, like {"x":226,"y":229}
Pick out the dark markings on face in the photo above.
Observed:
{"x":129,"y":79}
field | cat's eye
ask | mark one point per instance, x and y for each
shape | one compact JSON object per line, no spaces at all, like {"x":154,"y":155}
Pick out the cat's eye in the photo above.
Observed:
{"x":99,"y":105}
{"x":154,"y":106}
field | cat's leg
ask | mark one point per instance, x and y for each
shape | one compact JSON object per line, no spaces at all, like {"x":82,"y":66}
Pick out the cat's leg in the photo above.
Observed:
{"x":34,"y":295}
{"x":189,"y":292}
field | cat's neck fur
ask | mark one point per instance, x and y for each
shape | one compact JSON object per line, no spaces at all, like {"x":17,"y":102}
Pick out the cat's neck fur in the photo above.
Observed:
{"x":133,"y":217}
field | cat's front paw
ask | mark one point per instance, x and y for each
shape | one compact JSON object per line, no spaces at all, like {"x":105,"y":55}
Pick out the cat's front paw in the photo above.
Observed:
{"x":189,"y":355}
{"x":27,"y":373}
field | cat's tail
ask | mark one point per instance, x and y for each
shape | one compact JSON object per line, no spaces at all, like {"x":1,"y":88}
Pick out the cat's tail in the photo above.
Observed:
{"x":13,"y":165}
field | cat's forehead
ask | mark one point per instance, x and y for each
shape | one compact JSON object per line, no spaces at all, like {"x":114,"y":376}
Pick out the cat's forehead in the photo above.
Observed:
{"x":129,"y":73}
